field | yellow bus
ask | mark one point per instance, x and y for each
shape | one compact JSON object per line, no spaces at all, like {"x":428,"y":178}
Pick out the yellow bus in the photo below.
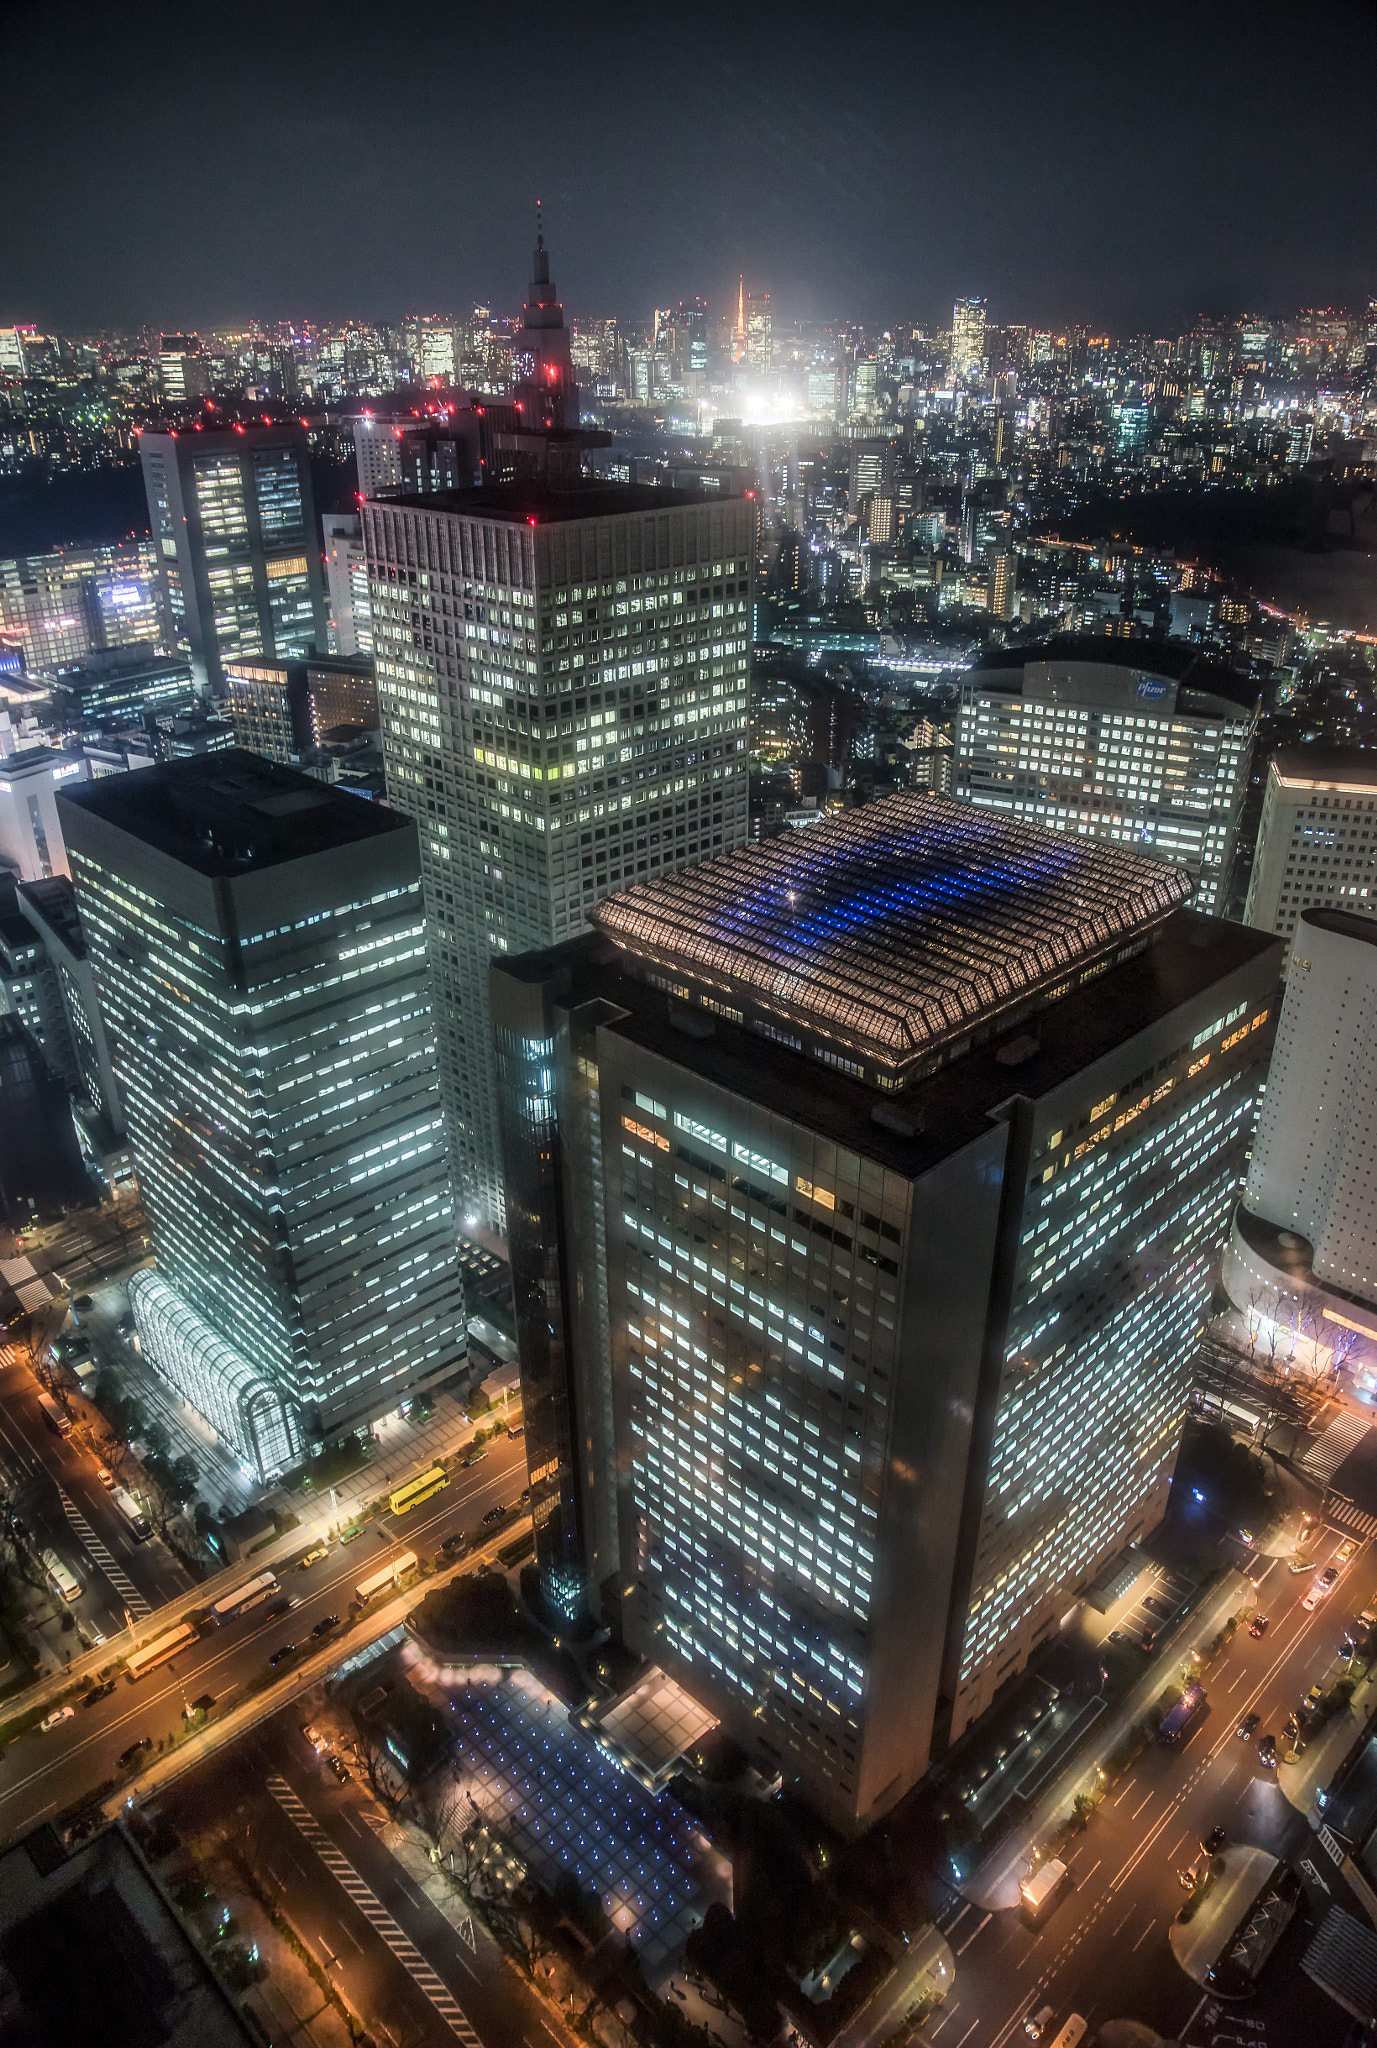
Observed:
{"x":390,"y":1575}
{"x":161,"y":1648}
{"x":416,"y":1490}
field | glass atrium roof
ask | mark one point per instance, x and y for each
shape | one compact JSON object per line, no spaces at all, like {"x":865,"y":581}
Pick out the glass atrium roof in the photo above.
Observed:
{"x":891,"y":928}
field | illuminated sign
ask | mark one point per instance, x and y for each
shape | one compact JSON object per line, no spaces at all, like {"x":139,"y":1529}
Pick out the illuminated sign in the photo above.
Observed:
{"x":1150,"y":689}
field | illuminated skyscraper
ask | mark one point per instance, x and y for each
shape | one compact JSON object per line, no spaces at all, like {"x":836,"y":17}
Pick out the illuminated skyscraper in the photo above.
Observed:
{"x":967,"y":339}
{"x":346,"y":577}
{"x":1146,"y":744}
{"x":258,"y":942}
{"x":562,"y":676}
{"x":1317,"y":841}
{"x":864,"y":1193}
{"x":234,"y":523}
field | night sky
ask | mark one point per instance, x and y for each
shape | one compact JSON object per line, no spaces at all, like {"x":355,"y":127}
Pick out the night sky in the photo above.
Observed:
{"x":1122,"y":164}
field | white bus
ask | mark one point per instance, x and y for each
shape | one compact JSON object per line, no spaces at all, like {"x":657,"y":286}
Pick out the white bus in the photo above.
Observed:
{"x":251,"y":1595}
{"x":139,"y":1525}
{"x":66,"y":1582}
{"x":161,"y":1649}
{"x":390,"y":1575}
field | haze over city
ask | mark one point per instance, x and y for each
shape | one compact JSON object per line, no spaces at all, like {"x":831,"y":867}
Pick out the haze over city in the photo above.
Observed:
{"x":688,"y":939}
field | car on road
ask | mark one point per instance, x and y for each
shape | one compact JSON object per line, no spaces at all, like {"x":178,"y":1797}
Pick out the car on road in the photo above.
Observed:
{"x":202,"y":1705}
{"x":1311,"y":1703}
{"x":135,"y":1751}
{"x":281,"y":1654}
{"x":339,"y":1767}
{"x":314,"y":1556}
{"x":1267,"y":1752}
{"x":1148,"y":1639}
{"x":1245,"y":1536}
{"x":1258,"y":1625}
{"x":1348,"y":1548}
{"x":279,"y":1608}
{"x":1348,"y":1649}
{"x":324,"y":1626}
{"x":1037,"y":2023}
{"x":56,"y":1718}
{"x":107,"y":1479}
{"x":454,"y":1545}
{"x":1116,"y":1635}
{"x":312,"y":1736}
{"x":1300,"y":1563}
{"x":1323,"y":1586}
{"x":517,"y":1429}
{"x":1157,"y":1607}
{"x":525,"y":1500}
{"x":1214,"y":1841}
{"x":1248,"y":1727}
{"x":494,"y":1515}
{"x":97,"y":1692}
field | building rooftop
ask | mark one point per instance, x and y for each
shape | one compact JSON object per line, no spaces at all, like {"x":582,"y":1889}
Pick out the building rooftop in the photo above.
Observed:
{"x":1193,"y":672}
{"x":937,"y":1114}
{"x":1333,"y":767}
{"x":895,"y":928}
{"x":229,"y":811}
{"x":536,"y":503}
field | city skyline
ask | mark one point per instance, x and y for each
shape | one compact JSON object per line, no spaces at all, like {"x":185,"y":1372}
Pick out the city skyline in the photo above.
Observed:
{"x":1131,"y":154}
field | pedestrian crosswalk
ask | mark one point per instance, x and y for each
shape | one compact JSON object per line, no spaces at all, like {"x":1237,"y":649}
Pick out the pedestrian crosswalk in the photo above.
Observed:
{"x":1347,"y":1516}
{"x":1332,"y":1846}
{"x":113,"y":1570}
{"x":344,"y":1873}
{"x":1326,"y":1455}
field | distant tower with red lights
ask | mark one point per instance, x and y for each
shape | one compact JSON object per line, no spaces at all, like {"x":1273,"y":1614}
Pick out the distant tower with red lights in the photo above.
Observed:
{"x":544,"y":366}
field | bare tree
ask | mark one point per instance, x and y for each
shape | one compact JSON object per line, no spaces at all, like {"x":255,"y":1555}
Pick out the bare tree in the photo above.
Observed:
{"x":373,"y":1758}
{"x":440,"y":1810}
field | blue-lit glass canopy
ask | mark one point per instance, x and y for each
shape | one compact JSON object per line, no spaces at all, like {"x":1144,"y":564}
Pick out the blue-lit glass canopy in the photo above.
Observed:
{"x":889,"y":928}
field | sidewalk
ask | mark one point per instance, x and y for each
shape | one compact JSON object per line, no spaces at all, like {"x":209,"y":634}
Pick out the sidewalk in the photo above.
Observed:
{"x":1196,"y":1943}
{"x":1316,"y":1765}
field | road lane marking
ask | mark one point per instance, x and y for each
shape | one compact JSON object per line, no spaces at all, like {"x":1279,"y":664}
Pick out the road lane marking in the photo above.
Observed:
{"x":365,"y":1899}
{"x":971,"y":1937}
{"x":1147,"y":1802}
{"x":105,"y":1561}
{"x":1123,"y":1923}
{"x":969,"y":2031}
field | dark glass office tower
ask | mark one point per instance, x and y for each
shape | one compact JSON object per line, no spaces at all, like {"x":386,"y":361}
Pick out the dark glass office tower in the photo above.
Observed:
{"x":864,"y":1192}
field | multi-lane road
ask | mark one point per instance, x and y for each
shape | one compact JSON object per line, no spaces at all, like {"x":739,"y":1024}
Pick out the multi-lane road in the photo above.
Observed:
{"x":1103,"y":1951}
{"x":316,"y":1848}
{"x":53,"y":1486}
{"x":41,"y":1773}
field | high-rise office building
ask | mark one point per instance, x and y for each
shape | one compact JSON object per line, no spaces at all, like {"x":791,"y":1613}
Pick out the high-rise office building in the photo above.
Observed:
{"x":259,"y":947}
{"x":1143,"y":743}
{"x":967,"y":339}
{"x":563,"y":681}
{"x":63,"y":607}
{"x":1317,"y":839}
{"x":31,"y":843}
{"x":346,"y":582}
{"x":1303,"y":1250}
{"x":234,"y":522}
{"x":1003,"y":583}
{"x":759,"y":336}
{"x":121,"y":686}
{"x":42,"y":1173}
{"x":80,"y":1048}
{"x":864,"y":1191}
{"x":183,"y":371}
{"x":284,"y":709}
